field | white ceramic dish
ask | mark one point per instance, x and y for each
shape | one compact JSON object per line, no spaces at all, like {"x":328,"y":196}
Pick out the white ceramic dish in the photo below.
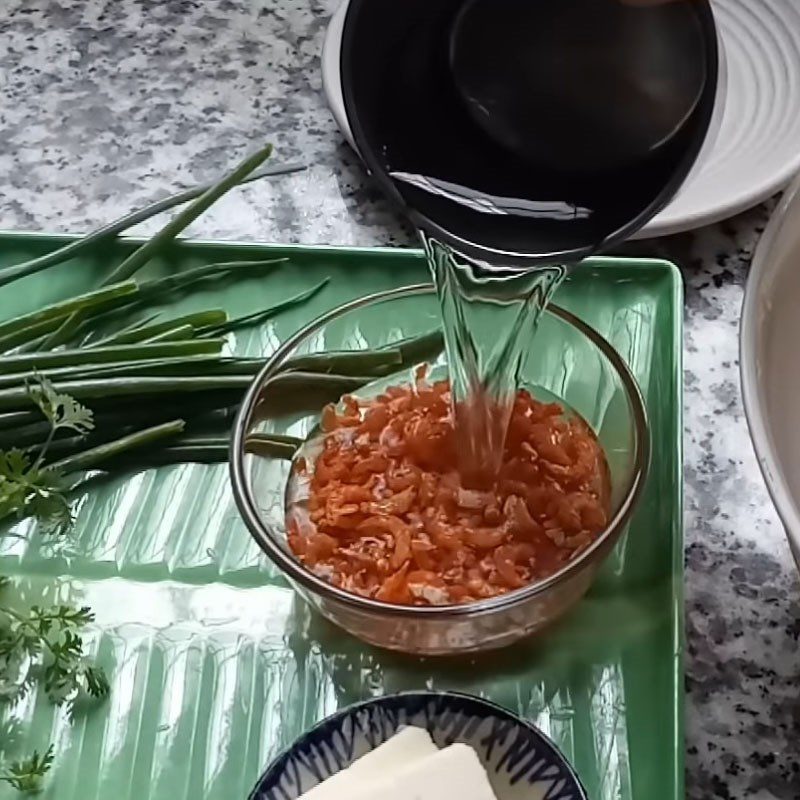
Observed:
{"x":770,"y":360}
{"x":753,"y":148}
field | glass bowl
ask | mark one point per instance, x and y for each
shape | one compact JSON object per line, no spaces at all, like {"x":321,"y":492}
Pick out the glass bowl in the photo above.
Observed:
{"x":567,"y":360}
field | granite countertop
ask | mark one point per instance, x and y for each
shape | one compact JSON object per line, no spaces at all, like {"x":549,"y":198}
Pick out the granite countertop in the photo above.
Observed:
{"x":108,"y":104}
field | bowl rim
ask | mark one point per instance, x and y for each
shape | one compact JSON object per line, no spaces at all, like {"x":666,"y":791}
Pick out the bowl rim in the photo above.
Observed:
{"x":335,"y":719}
{"x":291,"y":567}
{"x":762,"y":268}
{"x":705,"y":107}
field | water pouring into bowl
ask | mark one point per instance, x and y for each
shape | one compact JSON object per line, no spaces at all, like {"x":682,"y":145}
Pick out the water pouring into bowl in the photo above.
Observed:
{"x":521,"y":136}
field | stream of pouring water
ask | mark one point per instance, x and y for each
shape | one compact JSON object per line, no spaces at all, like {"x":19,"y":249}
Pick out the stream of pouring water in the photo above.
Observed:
{"x":489,"y":317}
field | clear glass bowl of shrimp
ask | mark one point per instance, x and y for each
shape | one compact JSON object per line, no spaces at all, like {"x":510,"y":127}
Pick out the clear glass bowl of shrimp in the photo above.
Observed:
{"x":380,"y":341}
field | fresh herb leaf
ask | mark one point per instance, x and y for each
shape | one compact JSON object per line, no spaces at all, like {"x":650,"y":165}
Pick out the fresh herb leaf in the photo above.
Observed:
{"x":26,"y":485}
{"x":62,"y":675}
{"x":28,"y":488}
{"x":53,"y":634}
{"x":51,"y":508}
{"x":17,"y":650}
{"x":26,"y":775}
{"x":15,"y":481}
{"x":61,"y":410}
{"x":95,"y":681}
{"x":11,"y":737}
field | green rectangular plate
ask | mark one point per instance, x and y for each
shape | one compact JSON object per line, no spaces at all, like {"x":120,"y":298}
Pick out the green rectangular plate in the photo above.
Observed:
{"x":215,"y":665}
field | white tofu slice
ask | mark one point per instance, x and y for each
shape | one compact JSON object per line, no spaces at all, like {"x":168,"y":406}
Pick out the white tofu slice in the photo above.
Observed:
{"x":406,"y":747}
{"x":452,"y":772}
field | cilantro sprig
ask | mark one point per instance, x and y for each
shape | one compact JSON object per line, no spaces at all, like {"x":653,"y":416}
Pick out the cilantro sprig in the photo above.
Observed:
{"x":27,"y":488}
{"x":45,"y":644}
{"x":61,"y":410}
{"x":26,"y":774}
{"x":27,"y":485}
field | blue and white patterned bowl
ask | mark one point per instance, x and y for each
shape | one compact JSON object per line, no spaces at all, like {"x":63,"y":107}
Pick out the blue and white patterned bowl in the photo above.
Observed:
{"x":521,"y":762}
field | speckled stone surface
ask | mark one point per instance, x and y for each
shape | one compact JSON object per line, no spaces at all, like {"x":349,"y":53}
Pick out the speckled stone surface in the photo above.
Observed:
{"x":108,"y":104}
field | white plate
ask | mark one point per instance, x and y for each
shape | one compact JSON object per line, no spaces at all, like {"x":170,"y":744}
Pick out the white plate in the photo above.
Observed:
{"x":757,"y":150}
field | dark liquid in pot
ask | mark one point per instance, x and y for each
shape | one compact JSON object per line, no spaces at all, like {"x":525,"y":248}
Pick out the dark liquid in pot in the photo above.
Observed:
{"x":529,"y":126}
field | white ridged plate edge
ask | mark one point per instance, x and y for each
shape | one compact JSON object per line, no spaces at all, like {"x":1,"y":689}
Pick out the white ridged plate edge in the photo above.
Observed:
{"x":757,"y":149}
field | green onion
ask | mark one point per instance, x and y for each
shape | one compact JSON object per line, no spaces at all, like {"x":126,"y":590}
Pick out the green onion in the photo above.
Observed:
{"x":95,"y":456}
{"x":418,"y":348}
{"x":26,"y":436}
{"x":72,"y":249}
{"x":16,"y":419}
{"x":286,"y":381}
{"x":186,"y":278}
{"x":177,"y":333}
{"x":16,"y":398}
{"x":156,"y":289}
{"x":58,"y":311}
{"x":361,"y":362}
{"x":199,"y":319}
{"x":28,"y":337}
{"x":272,"y":445}
{"x":375,"y":363}
{"x":197,"y":416}
{"x":172,"y":454}
{"x":102,"y":355}
{"x":120,"y":334}
{"x":204,"y":405}
{"x":200,"y":364}
{"x":286,"y":384}
{"x":197,"y":366}
{"x":208,"y":450}
{"x":229,"y":366}
{"x":305,"y":391}
{"x":123,"y":417}
{"x":177,"y":454}
{"x":263,"y":316}
{"x":143,"y":254}
{"x":175,"y":226}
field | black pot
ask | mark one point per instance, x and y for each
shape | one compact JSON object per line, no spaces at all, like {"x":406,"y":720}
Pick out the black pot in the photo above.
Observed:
{"x":577,"y":182}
